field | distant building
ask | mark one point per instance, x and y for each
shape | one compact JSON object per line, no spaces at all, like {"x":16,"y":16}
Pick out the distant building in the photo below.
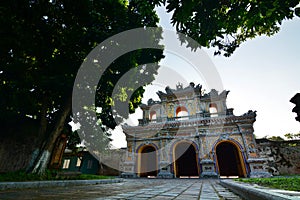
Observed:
{"x":86,"y":163}
{"x":82,"y":162}
{"x":189,"y":133}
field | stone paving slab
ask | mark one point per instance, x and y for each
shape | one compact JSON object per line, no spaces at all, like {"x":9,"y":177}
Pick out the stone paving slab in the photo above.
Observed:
{"x":60,"y":183}
{"x":133,"y":189}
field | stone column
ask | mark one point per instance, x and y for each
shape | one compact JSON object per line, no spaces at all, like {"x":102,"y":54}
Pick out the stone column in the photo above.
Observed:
{"x":257,"y":168}
{"x":244,"y":141}
{"x":164,"y":164}
{"x":208,"y":169}
{"x":128,"y":166}
{"x":208,"y":165}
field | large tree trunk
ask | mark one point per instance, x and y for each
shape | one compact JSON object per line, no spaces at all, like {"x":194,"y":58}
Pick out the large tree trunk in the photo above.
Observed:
{"x":42,"y":160}
{"x":41,"y":134}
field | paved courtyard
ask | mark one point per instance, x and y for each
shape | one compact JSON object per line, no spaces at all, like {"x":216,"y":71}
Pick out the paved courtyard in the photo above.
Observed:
{"x":133,"y":189}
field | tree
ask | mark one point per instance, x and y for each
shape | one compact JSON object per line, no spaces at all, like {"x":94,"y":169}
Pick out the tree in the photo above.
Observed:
{"x":43,"y":43}
{"x":296,"y":100}
{"x":292,"y":136}
{"x":226,"y":24}
{"x":275,"y":138}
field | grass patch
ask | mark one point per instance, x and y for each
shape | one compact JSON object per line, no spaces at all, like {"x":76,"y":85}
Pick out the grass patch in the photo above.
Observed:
{"x":48,"y":176}
{"x":92,"y":176}
{"x":286,"y":183}
{"x":22,"y":176}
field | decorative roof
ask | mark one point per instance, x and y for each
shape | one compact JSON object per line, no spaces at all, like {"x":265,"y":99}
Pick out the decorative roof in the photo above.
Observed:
{"x":180,"y":90}
{"x":191,"y":89}
{"x":215,"y":94}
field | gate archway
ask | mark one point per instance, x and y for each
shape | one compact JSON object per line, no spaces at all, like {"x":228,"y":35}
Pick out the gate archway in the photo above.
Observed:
{"x":185,"y":160}
{"x":147,"y":162}
{"x":229,"y":160}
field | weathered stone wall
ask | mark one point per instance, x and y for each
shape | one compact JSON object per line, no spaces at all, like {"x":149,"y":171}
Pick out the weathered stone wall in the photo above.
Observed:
{"x":110,"y":162}
{"x":108,"y":171}
{"x":283,"y":157}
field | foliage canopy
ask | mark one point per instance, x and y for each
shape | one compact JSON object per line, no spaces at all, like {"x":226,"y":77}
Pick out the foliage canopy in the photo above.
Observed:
{"x":43,"y":44}
{"x":226,"y":24}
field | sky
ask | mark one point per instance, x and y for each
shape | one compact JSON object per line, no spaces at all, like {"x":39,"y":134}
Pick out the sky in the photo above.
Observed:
{"x":263,"y":74}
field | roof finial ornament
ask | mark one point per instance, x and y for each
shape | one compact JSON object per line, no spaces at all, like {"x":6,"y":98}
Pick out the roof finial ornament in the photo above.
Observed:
{"x":192,"y":84}
{"x":179,"y":86}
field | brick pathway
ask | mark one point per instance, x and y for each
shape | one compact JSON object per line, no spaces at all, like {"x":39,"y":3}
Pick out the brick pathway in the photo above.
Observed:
{"x":133,"y":189}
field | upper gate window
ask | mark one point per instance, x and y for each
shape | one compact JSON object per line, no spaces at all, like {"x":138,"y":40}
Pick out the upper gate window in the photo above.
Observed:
{"x":152,"y":115}
{"x":182,"y":112}
{"x":213,"y":110}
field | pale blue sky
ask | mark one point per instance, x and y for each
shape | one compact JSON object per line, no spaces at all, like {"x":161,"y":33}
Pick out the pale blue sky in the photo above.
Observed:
{"x":263,"y":75}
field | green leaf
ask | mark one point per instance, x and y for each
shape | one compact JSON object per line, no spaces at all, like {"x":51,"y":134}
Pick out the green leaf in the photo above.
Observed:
{"x":297,"y":11}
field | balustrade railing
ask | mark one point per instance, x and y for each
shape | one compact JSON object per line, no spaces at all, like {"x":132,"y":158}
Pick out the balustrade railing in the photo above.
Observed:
{"x":181,"y":118}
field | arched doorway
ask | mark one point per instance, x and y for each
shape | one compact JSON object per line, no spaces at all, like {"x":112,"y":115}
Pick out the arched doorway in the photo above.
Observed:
{"x":147,"y":161}
{"x":230,"y":160}
{"x":185,"y":157}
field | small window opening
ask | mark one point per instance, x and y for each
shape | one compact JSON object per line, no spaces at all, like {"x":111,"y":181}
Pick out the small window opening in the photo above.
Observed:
{"x":66,"y":164}
{"x":213,"y":110}
{"x":182,"y":113}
